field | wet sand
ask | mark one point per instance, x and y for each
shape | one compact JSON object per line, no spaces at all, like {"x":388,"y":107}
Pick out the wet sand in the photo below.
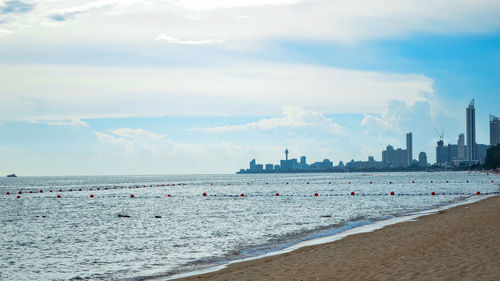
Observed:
{"x":462,"y":243}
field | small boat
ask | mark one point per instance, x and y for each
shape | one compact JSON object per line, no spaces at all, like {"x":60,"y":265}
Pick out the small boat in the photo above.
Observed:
{"x":12,"y":176}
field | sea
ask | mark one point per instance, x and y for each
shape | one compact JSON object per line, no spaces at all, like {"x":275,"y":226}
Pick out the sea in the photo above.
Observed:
{"x":157,"y":227}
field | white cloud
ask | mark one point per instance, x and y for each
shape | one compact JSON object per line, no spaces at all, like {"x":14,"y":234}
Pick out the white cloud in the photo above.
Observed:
{"x":173,"y":40}
{"x":343,"y":21}
{"x":74,"y":122}
{"x":132,"y":139}
{"x":43,"y":92}
{"x":294,"y":117}
{"x":224,"y":4}
{"x":137,"y":134}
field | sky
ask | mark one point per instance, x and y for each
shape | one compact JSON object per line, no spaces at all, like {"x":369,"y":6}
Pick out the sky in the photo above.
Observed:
{"x":118,"y":87}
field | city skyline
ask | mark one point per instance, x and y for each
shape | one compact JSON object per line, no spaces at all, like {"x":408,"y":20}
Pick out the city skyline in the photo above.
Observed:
{"x":155,"y":87}
{"x":450,"y":155}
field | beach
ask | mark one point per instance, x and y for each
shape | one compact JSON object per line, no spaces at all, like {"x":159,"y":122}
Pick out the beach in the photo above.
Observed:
{"x":461,"y":243}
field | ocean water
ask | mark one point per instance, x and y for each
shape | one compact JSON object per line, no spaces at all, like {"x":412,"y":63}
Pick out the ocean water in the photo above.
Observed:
{"x":76,"y":237}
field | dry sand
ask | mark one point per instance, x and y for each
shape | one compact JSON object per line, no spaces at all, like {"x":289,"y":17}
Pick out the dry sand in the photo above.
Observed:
{"x":462,"y":243}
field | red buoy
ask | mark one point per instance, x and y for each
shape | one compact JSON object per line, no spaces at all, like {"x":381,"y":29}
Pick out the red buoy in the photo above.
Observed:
{"x":204,"y":194}
{"x":433,"y":193}
{"x":478,"y":193}
{"x":286,"y":182}
{"x":392,"y":192}
{"x":8,"y":193}
{"x":431,"y":181}
{"x":349,"y":182}
{"x":131,"y":195}
{"x":20,"y":192}
{"x":90,"y":188}
{"x":267,"y":183}
{"x":31,"y":191}
{"x":390,"y":182}
{"x":79,"y":189}
{"x":242,"y":195}
{"x":105,"y":188}
{"x":277,"y":194}
{"x":98,"y":188}
{"x":371,"y":182}
{"x":228,"y":184}
{"x":70,"y":189}
{"x":446,"y":181}
{"x":492,"y":181}
{"x":18,"y":197}
{"x":352,"y":193}
{"x":316,"y":194}
{"x":91,"y":195}
{"x":412,"y":181}
{"x":50,"y":190}
{"x":115,"y":187}
{"x":58,"y":195}
{"x":467,"y":181}
{"x":169,"y":195}
{"x":41,"y":191}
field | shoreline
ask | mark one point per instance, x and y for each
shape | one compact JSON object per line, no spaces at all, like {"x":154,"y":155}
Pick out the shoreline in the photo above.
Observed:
{"x":228,"y":271}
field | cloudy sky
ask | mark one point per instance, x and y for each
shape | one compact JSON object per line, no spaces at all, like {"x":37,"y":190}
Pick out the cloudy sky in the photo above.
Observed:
{"x":203,"y":86}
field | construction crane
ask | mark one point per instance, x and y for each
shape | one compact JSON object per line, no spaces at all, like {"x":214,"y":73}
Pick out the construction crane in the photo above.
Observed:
{"x":441,"y":136}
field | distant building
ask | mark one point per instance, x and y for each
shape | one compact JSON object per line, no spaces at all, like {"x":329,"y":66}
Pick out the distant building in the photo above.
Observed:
{"x":326,"y":164}
{"x":303,"y":160}
{"x":409,"y":149}
{"x":471,"y":131}
{"x":461,"y":147}
{"x":422,"y":159}
{"x":441,"y":153}
{"x":494,"y":130}
{"x":288,"y":165}
{"x":360,"y":165}
{"x":482,"y":150}
{"x":303,"y":164}
{"x":452,"y":152}
{"x":252,"y":165}
{"x":269,"y":167}
{"x":341,"y":164}
{"x":394,"y":158}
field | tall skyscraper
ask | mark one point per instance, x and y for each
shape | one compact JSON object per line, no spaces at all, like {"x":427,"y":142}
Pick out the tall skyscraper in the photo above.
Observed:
{"x":409,"y":149}
{"x":471,"y":131}
{"x":494,"y":130}
{"x":286,"y":154}
{"x":461,"y":147}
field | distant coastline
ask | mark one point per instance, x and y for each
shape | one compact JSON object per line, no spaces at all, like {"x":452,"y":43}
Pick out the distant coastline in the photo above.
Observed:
{"x":435,"y":168}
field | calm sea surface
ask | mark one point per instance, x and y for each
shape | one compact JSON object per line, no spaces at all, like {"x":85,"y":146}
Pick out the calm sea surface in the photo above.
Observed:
{"x":43,"y":237}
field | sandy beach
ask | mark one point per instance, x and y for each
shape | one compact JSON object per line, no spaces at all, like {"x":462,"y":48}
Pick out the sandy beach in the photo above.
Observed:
{"x":462,"y":243}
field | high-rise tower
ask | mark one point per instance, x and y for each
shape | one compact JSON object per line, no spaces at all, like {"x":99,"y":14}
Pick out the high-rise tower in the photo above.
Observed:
{"x":409,"y":149}
{"x":286,"y":154}
{"x":471,"y":131}
{"x":494,"y":130}
{"x":461,"y":147}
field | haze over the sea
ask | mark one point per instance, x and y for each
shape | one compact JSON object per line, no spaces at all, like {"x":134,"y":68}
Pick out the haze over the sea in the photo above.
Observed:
{"x":155,"y":87}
